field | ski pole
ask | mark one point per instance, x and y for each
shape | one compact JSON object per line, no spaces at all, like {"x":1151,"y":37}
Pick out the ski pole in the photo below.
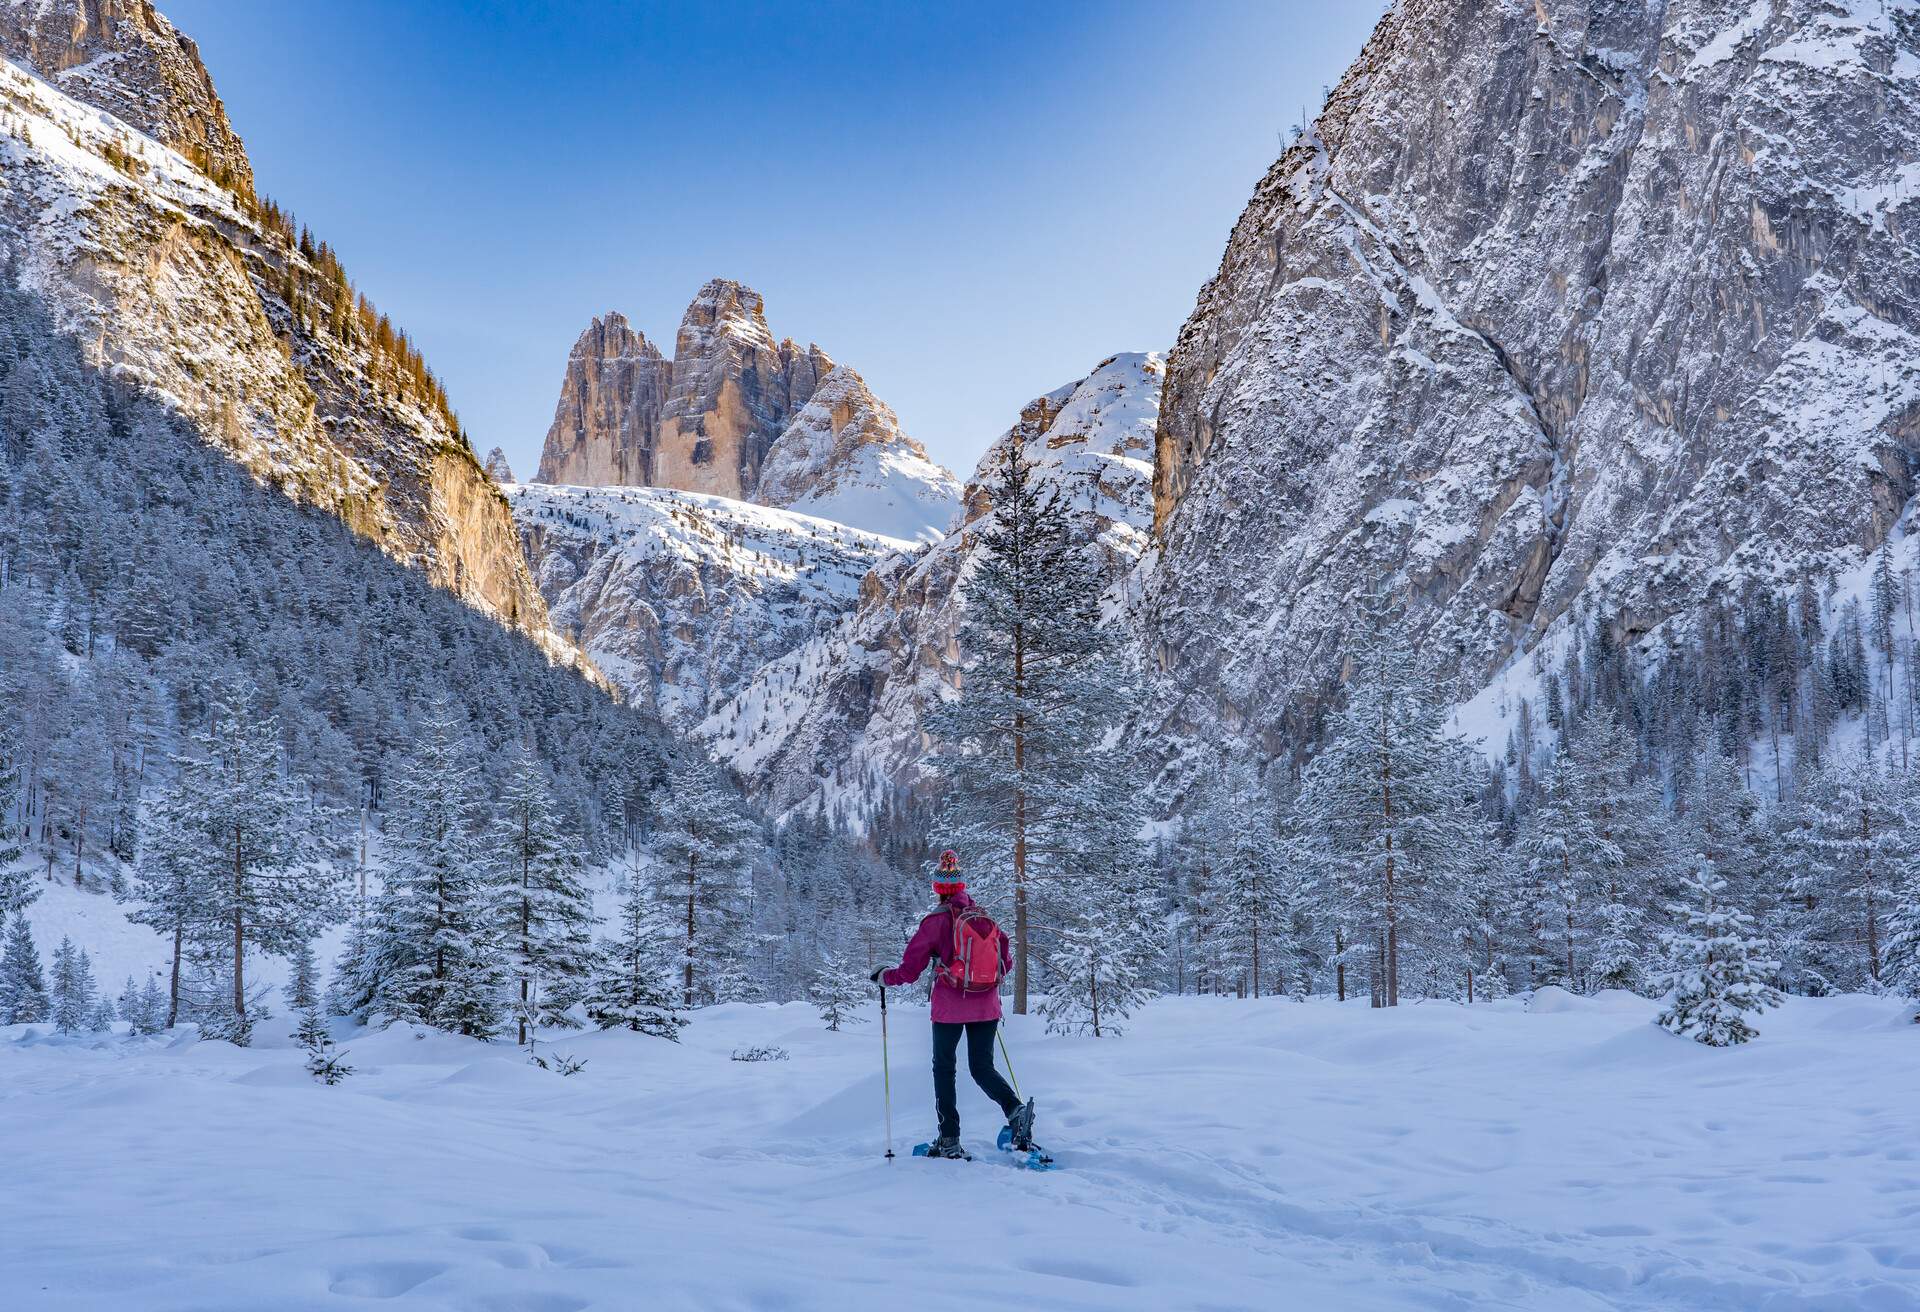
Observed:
{"x":886,"y":1071}
{"x":1001,"y":1033}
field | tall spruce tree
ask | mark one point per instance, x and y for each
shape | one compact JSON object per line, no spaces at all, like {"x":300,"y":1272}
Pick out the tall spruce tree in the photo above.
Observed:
{"x":436,"y":949}
{"x":72,"y":988}
{"x":23,"y":988}
{"x":705,"y":845}
{"x":230,"y":869}
{"x":1719,"y":966}
{"x":1390,"y":801}
{"x":549,"y":919}
{"x":1856,"y":837}
{"x":1041,"y":682}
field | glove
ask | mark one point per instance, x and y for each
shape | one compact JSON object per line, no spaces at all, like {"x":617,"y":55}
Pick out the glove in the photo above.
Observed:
{"x":878,"y":971}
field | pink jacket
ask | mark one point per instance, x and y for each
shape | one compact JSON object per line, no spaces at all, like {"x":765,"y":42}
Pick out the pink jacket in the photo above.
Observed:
{"x":934,"y":941}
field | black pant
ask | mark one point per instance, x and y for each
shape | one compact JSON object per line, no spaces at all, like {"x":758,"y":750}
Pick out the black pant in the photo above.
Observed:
{"x":946,"y":1046}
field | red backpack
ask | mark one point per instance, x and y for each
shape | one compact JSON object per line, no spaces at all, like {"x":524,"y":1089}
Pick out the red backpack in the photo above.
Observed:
{"x":973,"y":966}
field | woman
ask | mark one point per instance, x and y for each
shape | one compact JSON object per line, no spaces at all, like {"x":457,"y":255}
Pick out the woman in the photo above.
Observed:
{"x":966,"y":1001}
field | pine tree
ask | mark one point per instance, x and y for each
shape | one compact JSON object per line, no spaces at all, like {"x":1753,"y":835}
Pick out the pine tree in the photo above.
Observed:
{"x":1720,"y":973}
{"x":1105,"y":953}
{"x":323,"y":1063}
{"x":630,"y":989}
{"x":303,"y":983}
{"x":1390,"y":803}
{"x":102,"y":1016}
{"x":23,"y":989}
{"x":73,"y":988}
{"x":704,"y":844}
{"x":130,"y":1006}
{"x":1040,"y":679}
{"x":1856,"y":837}
{"x":837,"y":989}
{"x":230,"y":872}
{"x":1903,"y":936}
{"x":153,"y":1007}
{"x":549,"y":912}
{"x":438,"y":951}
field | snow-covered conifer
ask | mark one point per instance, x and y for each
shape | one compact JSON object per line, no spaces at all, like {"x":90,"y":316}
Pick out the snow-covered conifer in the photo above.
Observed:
{"x":323,"y":1062}
{"x":72,"y":988}
{"x":630,"y":989}
{"x":1857,"y":836}
{"x":437,"y":943}
{"x":548,"y":912}
{"x":1042,"y":682}
{"x":1720,"y":968}
{"x":303,"y":981}
{"x":838,"y":989}
{"x":153,"y":1007}
{"x":1391,"y":805}
{"x":23,"y":989}
{"x":705,"y":845}
{"x":229,"y":868}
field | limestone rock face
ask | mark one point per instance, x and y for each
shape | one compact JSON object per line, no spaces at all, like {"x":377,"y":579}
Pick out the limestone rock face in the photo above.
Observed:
{"x":606,"y":426}
{"x":835,"y":723}
{"x":179,"y":286}
{"x":1561,"y":306}
{"x":126,"y":58}
{"x":732,"y":400}
{"x":734,"y":389}
{"x":681,"y":598}
{"x":497,"y":467}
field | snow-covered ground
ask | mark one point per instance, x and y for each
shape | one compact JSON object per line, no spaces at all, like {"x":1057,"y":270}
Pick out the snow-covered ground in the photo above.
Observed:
{"x":1224,"y":1154}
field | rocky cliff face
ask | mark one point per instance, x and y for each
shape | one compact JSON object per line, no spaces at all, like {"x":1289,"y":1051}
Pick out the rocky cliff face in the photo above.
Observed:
{"x":606,"y":427}
{"x":836,"y":723}
{"x":680,"y":598}
{"x":1561,"y":306}
{"x":711,"y":419}
{"x":195,"y":292}
{"x":126,"y":58}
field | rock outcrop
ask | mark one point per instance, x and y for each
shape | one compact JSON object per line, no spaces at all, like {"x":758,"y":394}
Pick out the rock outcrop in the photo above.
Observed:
{"x":836,"y":724}
{"x":198,"y":293}
{"x":1560,"y":307}
{"x":497,"y":467}
{"x":681,"y":598}
{"x":126,"y":58}
{"x":732,"y":400}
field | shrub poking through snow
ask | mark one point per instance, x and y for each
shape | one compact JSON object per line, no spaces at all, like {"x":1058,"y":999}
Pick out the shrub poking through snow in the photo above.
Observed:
{"x":1720,"y":972}
{"x":760,"y":1052}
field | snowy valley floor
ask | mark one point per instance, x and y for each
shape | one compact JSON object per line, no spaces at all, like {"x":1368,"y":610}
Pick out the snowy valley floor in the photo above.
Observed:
{"x":1223,"y":1155}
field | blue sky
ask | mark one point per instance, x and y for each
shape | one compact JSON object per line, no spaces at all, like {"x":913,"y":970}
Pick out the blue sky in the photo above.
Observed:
{"x":969,"y":203}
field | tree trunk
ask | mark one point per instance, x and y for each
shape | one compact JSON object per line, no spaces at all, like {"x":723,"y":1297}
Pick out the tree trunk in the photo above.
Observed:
{"x":1019,"y":824}
{"x":1391,"y":962}
{"x":693,"y":862}
{"x":173,"y":986}
{"x":239,"y":932}
{"x":1339,"y":966}
{"x":526,"y":916}
{"x":1873,"y":922}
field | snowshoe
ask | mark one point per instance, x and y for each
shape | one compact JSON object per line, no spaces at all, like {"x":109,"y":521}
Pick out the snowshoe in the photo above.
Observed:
{"x":1032,"y":1157}
{"x":946,"y":1147}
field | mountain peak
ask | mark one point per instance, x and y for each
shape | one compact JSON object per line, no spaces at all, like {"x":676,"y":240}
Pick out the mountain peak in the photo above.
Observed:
{"x":732,"y":414}
{"x":123,"y":56}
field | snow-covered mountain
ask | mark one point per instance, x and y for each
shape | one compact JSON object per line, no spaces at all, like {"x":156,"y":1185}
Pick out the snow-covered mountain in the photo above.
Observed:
{"x":738,"y":414}
{"x":1560,"y":307}
{"x":143,"y":238}
{"x":835,"y":723}
{"x":681,"y":598}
